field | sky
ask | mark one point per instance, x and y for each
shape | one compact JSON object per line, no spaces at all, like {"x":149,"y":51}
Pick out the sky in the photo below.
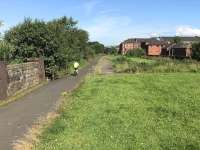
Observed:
{"x":111,"y":21}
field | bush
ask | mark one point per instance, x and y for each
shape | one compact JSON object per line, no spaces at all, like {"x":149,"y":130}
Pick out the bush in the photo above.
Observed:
{"x":111,"y":50}
{"x":59,"y":41}
{"x":97,"y":47}
{"x":196,"y":51}
{"x":139,"y":52}
{"x":5,"y":50}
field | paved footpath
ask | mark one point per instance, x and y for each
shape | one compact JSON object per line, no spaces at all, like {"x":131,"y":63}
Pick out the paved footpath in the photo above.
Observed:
{"x":18,"y":116}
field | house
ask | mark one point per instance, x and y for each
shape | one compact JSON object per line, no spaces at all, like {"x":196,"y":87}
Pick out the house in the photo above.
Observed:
{"x":181,"y":50}
{"x":130,"y":44}
{"x":154,"y":47}
{"x":186,"y":40}
{"x":162,"y":46}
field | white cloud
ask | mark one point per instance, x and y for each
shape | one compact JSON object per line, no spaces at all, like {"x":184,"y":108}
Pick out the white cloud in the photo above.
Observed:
{"x":155,"y":34}
{"x":187,"y":31}
{"x":3,"y":28}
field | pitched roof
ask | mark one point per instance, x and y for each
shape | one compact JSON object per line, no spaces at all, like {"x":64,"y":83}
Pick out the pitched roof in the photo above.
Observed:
{"x":181,"y":45}
{"x":184,"y":39}
{"x":162,"y":39}
{"x":135,"y":40}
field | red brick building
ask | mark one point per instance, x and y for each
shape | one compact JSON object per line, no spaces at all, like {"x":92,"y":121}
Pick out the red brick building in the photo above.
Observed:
{"x":130,"y":44}
{"x":162,"y":46}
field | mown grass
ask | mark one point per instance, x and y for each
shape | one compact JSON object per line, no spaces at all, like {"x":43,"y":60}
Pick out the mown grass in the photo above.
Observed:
{"x":129,"y":112}
{"x":123,"y":64}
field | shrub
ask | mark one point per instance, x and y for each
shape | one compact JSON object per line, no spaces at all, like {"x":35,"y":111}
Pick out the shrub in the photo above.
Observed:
{"x":59,"y":41}
{"x":5,"y":50}
{"x":111,"y":50}
{"x":136,"y":52}
{"x":196,"y":51}
{"x":97,"y":47}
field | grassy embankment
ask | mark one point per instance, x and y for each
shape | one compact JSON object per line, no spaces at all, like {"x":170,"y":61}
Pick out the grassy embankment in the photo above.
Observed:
{"x":119,"y":112}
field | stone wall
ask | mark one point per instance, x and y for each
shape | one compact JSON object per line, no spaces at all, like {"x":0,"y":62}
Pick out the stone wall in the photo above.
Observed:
{"x":3,"y":80}
{"x":23,"y":76}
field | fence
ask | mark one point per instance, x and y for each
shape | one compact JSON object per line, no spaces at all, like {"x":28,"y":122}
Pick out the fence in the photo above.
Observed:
{"x":18,"y":77}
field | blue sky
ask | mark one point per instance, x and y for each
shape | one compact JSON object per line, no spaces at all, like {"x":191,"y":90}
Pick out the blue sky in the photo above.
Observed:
{"x":111,"y":21}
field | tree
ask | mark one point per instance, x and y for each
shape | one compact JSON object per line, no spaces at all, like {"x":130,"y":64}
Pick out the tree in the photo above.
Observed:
{"x":196,"y":51}
{"x":58,"y":41}
{"x":177,"y":40}
{"x":97,"y":47}
{"x":1,"y":24}
{"x":5,"y":50}
{"x":111,"y":50}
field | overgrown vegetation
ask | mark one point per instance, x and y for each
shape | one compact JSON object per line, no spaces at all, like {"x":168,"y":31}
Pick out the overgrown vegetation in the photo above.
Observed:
{"x":5,"y":50}
{"x":196,"y":51}
{"x":123,"y":64}
{"x":97,"y":47}
{"x":111,"y":50}
{"x":146,"y":111}
{"x":58,"y":41}
{"x":138,"y":52}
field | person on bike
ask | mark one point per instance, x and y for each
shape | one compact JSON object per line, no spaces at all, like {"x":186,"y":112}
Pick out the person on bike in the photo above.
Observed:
{"x":76,"y":66}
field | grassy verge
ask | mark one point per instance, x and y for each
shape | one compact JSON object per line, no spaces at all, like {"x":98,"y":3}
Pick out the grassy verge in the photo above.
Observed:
{"x":21,"y":94}
{"x":124,"y":64}
{"x":121,"y":112}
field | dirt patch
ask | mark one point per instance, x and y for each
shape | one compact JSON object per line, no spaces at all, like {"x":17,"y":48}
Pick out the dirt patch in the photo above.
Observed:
{"x":104,"y":66}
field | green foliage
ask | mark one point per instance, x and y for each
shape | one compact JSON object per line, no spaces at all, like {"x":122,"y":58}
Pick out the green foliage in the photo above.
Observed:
{"x":59,"y":41}
{"x":139,"y":52}
{"x":196,"y":51}
{"x":154,"y":65}
{"x":97,"y":47}
{"x":111,"y":50}
{"x":5,"y":50}
{"x":126,"y":112}
{"x":176,"y":40}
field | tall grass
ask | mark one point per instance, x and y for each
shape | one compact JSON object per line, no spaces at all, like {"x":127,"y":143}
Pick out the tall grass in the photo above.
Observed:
{"x":124,"y":64}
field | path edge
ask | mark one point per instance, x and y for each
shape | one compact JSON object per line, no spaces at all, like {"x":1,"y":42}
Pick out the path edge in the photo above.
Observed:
{"x":31,"y":137}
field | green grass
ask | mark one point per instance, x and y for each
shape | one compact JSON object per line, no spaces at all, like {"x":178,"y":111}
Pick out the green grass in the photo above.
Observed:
{"x":129,"y":112}
{"x":124,"y":64}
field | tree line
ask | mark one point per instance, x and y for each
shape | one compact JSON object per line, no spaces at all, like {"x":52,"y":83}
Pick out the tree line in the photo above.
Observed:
{"x":59,"y":42}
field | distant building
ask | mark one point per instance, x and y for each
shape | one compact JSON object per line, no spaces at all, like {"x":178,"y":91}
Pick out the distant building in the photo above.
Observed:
{"x":181,"y":50}
{"x":130,"y":44}
{"x":162,"y":46}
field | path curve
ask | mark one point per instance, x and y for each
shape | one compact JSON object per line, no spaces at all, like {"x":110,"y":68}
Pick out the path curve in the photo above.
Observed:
{"x":17,"y":117}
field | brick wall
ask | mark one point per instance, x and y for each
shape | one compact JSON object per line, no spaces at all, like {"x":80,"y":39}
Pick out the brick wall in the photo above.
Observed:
{"x":154,"y":50}
{"x":130,"y":46}
{"x":22,"y":76}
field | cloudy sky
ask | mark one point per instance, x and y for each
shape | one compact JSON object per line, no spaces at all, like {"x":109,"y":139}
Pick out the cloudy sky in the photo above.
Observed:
{"x":112,"y":21}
